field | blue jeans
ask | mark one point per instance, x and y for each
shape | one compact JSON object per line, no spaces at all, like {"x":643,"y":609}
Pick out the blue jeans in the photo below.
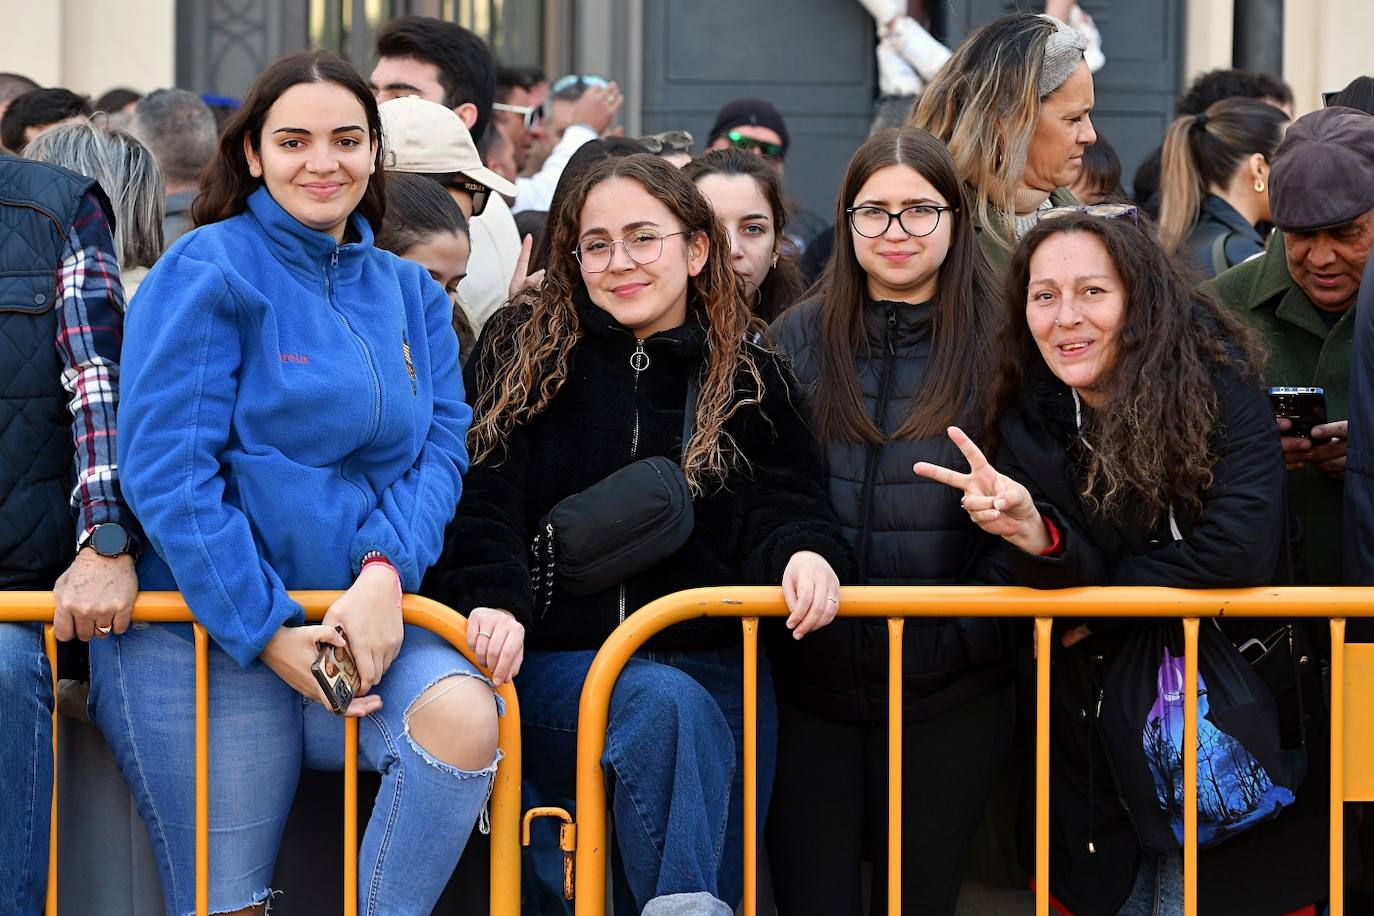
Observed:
{"x":1158,"y":888}
{"x":674,"y":767}
{"x":25,"y":768}
{"x":261,"y":734}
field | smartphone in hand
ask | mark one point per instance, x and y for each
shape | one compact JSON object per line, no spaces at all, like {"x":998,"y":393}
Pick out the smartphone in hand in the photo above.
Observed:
{"x":1303,"y":407}
{"x":336,"y":674}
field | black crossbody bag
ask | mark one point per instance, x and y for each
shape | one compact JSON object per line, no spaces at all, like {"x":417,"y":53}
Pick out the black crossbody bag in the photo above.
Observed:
{"x":618,"y":527}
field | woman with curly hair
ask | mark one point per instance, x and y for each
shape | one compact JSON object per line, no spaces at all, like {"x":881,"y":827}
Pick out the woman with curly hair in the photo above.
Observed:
{"x":1134,"y":447}
{"x":640,"y":319}
{"x":746,"y":194}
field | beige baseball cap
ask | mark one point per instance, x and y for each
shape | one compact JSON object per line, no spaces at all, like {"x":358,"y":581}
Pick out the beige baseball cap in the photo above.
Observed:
{"x":426,"y":138}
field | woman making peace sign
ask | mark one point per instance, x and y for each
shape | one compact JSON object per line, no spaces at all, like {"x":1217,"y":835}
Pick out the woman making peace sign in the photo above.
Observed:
{"x":1134,"y":448}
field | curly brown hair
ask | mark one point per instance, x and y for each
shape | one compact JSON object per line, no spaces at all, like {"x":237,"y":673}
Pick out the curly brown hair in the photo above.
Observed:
{"x":530,"y":344}
{"x":1153,"y":440}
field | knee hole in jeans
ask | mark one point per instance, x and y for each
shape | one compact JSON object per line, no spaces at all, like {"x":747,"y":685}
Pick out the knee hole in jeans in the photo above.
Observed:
{"x":455,"y":722}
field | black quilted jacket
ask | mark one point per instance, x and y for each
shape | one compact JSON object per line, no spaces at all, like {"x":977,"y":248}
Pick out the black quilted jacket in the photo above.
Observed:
{"x":37,"y":205}
{"x":905,"y":530}
{"x":605,"y":416}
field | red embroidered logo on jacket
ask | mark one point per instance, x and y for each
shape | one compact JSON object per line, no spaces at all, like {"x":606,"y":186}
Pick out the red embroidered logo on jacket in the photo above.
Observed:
{"x":300,"y":358}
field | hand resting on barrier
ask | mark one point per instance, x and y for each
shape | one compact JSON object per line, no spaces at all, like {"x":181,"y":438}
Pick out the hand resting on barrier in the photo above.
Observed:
{"x":370,"y":614}
{"x":95,"y":592}
{"x":498,"y":640}
{"x":812,"y":592}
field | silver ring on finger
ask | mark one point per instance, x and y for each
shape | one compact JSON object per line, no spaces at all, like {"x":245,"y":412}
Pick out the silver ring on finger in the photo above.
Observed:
{"x":104,"y":631}
{"x":480,"y":635}
{"x":832,"y":599}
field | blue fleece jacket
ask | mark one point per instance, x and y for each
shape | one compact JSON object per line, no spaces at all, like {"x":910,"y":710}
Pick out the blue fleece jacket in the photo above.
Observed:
{"x":287,"y":405}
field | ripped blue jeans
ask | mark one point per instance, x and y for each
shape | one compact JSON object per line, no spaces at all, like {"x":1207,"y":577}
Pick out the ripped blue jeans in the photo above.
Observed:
{"x":262,"y":732}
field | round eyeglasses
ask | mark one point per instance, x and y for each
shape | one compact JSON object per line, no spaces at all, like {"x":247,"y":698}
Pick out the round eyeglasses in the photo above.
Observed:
{"x":644,"y":246}
{"x":918,"y":221}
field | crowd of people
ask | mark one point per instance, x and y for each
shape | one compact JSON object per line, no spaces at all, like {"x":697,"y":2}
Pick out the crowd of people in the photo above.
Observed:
{"x":442,"y":329}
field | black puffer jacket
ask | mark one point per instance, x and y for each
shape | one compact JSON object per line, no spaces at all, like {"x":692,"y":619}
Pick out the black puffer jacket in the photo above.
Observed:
{"x":605,"y":416}
{"x":905,"y":530}
{"x":1235,"y":542}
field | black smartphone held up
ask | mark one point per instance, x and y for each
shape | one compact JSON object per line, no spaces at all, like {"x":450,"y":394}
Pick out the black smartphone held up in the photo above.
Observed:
{"x":337,"y":675}
{"x":1303,"y":407}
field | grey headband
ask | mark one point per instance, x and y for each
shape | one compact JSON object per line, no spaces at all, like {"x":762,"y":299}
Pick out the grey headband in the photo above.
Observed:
{"x":1063,"y":51}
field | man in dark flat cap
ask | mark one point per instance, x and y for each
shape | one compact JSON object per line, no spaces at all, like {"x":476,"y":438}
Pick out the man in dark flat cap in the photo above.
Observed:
{"x":1300,"y":295}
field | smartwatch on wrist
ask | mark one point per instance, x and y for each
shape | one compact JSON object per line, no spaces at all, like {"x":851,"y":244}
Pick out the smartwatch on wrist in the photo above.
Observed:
{"x":109,"y":539}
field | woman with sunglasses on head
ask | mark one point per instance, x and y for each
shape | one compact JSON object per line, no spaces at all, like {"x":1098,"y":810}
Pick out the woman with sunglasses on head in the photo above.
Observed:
{"x":672,"y":145}
{"x":292,"y":417}
{"x":1132,"y":445}
{"x":638,"y":340}
{"x":1030,"y":69}
{"x":746,"y":196}
{"x":1214,"y":176}
{"x":893,"y":350}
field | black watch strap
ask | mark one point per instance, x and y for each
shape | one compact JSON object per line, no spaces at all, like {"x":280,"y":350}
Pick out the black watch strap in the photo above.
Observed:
{"x":110,"y":539}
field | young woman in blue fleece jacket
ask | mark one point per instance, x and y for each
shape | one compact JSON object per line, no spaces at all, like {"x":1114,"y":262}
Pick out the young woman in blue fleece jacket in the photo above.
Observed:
{"x":293,"y":418}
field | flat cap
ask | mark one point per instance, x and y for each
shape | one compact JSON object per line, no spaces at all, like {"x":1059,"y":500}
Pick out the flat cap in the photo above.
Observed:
{"x":1323,"y":171}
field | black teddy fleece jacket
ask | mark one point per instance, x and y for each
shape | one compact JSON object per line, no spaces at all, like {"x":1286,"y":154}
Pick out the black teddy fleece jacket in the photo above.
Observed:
{"x":605,"y":416}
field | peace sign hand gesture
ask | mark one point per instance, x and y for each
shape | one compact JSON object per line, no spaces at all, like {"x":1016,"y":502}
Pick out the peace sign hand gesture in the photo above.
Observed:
{"x":995,"y":503}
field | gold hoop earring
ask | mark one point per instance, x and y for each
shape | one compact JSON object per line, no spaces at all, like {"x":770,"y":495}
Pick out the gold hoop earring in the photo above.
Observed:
{"x":1259,"y":186}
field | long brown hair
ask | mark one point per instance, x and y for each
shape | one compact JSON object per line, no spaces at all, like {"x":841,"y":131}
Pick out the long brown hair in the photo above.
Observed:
{"x":984,"y":105}
{"x":1205,"y":150}
{"x":965,"y":307}
{"x":1153,"y":441}
{"x":783,"y":285}
{"x":531,"y":343}
{"x":226,"y":183}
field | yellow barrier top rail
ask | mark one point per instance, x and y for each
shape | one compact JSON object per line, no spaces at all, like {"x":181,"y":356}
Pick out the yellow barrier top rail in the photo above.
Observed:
{"x":168,"y":607}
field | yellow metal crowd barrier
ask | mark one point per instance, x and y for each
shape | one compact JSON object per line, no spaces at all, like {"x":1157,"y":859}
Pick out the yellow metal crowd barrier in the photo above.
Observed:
{"x":1352,"y":723}
{"x":167,"y":607}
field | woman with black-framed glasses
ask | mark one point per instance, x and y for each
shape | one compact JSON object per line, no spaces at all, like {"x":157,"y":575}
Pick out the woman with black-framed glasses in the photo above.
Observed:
{"x":638,"y":339}
{"x":894,"y":349}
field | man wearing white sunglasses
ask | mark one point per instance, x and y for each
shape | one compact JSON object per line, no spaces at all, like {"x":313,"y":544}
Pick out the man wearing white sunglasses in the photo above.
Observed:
{"x":523,"y":124}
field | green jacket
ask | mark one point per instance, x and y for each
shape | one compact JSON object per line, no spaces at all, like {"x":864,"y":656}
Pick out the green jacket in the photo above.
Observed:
{"x":998,"y":255}
{"x":1302,"y":352}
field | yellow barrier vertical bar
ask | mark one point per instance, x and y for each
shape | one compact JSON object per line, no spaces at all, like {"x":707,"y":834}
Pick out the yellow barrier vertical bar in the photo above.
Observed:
{"x":1190,"y":634}
{"x":350,"y":813}
{"x":50,"y":647}
{"x":1337,"y":801}
{"x":751,"y":763}
{"x":1043,"y":628}
{"x":505,"y":813}
{"x":202,"y":771}
{"x":894,"y":765}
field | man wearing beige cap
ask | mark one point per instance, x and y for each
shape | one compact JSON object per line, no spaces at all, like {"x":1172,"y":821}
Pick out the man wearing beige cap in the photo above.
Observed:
{"x":425,"y":138}
{"x":1300,"y":295}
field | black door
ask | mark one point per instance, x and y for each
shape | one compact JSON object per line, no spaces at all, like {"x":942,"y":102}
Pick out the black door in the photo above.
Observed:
{"x":813,"y":59}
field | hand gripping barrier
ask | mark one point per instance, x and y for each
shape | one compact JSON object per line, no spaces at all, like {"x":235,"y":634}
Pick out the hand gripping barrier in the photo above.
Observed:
{"x":167,"y":607}
{"x":1352,"y":723}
